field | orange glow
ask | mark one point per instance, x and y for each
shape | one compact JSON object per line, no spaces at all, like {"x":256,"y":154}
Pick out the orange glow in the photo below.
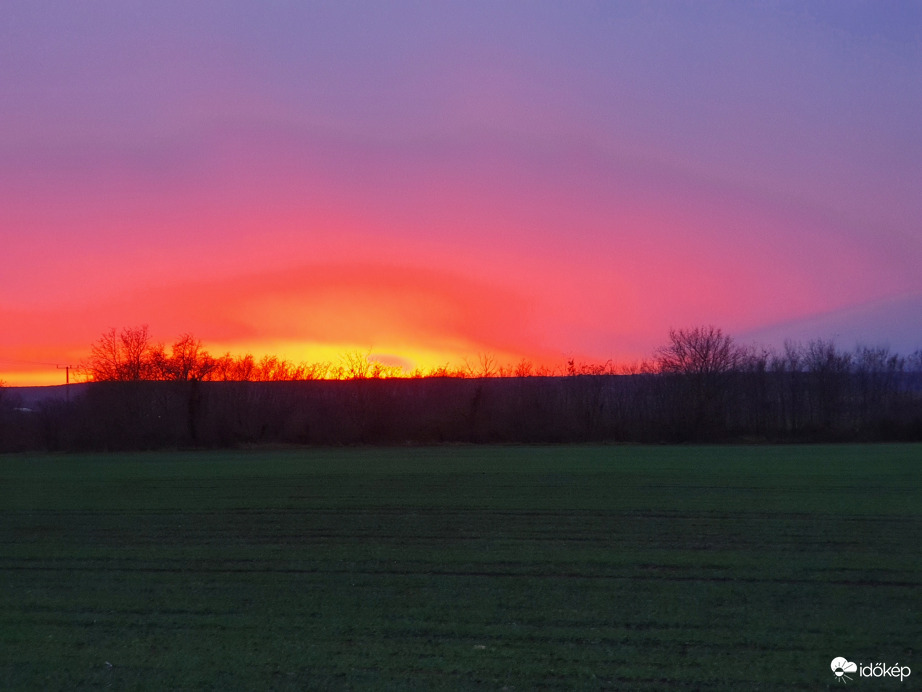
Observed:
{"x":419,"y":318}
{"x":409,"y":358}
{"x":542,"y":279}
{"x":34,"y":377}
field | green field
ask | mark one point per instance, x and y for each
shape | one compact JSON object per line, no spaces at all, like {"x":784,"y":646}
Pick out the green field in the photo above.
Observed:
{"x":461,"y":567}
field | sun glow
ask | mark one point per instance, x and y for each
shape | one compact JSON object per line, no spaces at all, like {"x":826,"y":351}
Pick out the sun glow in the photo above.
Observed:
{"x":393,"y":357}
{"x":33,"y":376}
{"x":398,"y":358}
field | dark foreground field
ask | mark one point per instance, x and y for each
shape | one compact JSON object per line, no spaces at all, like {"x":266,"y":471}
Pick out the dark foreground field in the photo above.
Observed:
{"x":461,"y":567}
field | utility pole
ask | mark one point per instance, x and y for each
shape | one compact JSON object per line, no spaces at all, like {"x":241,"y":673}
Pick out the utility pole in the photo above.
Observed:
{"x":66,"y":369}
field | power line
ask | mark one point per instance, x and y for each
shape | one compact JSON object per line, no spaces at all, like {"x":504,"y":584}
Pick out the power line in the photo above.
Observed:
{"x":57,"y":366}
{"x":28,"y":362}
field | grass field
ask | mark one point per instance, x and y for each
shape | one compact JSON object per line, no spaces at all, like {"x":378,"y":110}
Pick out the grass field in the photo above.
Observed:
{"x":461,"y":567}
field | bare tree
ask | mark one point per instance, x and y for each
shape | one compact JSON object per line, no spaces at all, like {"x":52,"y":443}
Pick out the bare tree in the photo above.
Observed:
{"x":524,"y":368}
{"x":445,"y":371}
{"x":106,"y":357}
{"x":355,"y":365}
{"x":752,"y":390}
{"x":698,"y":351}
{"x":877,"y":374}
{"x":272,"y":369}
{"x":485,"y":366}
{"x":121,"y":356}
{"x":828,"y":372}
{"x":316,"y":371}
{"x":189,"y":360}
{"x":243,"y":368}
{"x":702,"y":358}
{"x":788,"y":368}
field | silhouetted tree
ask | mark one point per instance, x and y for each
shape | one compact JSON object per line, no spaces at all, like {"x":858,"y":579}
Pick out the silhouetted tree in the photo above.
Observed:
{"x":524,"y":368}
{"x":189,"y":360}
{"x":700,"y":351}
{"x":121,"y":356}
{"x":877,"y":377}
{"x":697,"y":361}
{"x":485,"y":366}
{"x":828,"y":374}
{"x":274,"y":369}
{"x":752,"y":394}
{"x":186,"y":361}
{"x":701,"y":385}
{"x":354,"y":365}
{"x":243,"y":368}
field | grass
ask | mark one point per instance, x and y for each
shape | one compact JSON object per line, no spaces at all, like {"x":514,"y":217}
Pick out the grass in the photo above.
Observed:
{"x":459,"y":567}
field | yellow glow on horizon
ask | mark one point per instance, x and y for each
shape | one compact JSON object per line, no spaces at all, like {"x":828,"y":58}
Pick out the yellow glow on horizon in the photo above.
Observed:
{"x":35,"y":378}
{"x":458,"y":356}
{"x":425,"y":360}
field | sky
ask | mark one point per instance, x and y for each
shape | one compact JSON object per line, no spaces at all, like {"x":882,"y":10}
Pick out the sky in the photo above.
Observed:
{"x":430,"y":181}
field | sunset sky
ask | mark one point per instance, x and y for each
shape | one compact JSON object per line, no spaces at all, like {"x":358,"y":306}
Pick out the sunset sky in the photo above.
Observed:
{"x":428,"y":181}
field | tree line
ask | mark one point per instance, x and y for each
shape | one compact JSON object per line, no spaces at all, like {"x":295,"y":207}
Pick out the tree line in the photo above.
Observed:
{"x":701,"y":386}
{"x":131,"y":355}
